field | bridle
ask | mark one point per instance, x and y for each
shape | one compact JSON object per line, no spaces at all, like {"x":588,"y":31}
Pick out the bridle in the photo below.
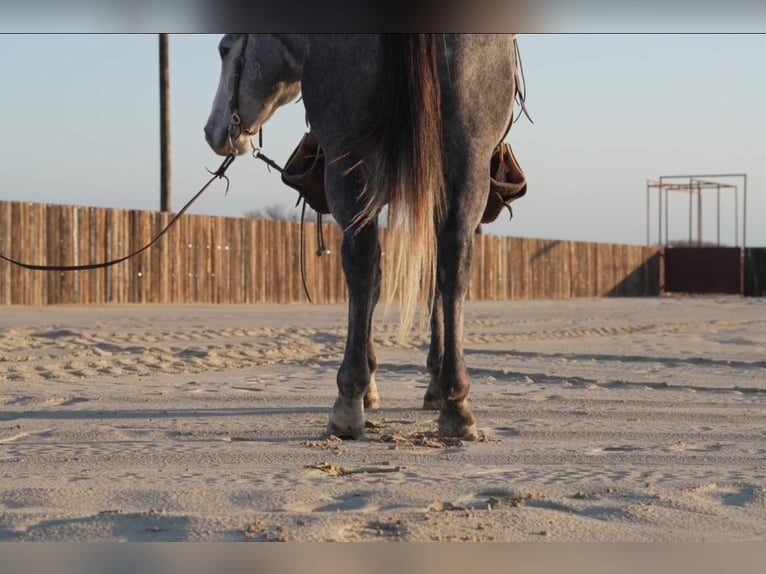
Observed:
{"x":236,"y":128}
{"x":235,"y":123}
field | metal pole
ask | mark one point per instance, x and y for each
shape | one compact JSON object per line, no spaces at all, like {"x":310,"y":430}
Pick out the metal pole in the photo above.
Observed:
{"x":659,"y":219}
{"x":667,"y":218}
{"x":165,"y":191}
{"x":647,"y":213}
{"x":744,"y":213}
{"x":736,"y":217}
{"x":699,"y":215}
{"x":718,"y":216}
{"x":691,"y":202}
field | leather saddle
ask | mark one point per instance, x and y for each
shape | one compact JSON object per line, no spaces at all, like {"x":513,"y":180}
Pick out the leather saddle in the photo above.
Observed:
{"x":304,"y":172}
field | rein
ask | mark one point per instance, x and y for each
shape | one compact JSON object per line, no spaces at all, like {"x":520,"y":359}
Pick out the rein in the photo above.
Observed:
{"x":235,"y":130}
{"x":321,"y":249}
{"x":220,"y":173}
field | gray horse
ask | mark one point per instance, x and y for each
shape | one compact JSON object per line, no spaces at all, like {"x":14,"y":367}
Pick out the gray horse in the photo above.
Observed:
{"x":408,"y":121}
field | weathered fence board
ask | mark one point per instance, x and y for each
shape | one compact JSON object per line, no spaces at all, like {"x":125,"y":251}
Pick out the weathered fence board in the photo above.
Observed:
{"x":207,"y":259}
{"x":755,"y":272}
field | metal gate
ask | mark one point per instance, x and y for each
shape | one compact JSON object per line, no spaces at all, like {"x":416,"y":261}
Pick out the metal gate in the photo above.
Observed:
{"x":703,"y":270}
{"x":755,"y":272}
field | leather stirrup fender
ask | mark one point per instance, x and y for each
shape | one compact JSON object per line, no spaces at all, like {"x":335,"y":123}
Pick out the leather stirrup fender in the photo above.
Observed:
{"x":507,"y":182}
{"x":304,"y":172}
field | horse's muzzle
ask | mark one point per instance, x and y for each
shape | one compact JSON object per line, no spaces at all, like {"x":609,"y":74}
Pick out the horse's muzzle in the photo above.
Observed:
{"x":218,"y":140}
{"x":222,"y":144}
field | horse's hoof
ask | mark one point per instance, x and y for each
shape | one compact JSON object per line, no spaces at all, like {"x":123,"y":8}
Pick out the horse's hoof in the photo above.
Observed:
{"x":371,"y":403}
{"x":346,"y":419}
{"x":457,"y":421}
{"x":342,"y":433}
{"x":431,"y":402}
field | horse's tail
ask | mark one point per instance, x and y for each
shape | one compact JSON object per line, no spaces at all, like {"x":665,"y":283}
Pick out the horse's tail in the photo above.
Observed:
{"x":410,"y":174}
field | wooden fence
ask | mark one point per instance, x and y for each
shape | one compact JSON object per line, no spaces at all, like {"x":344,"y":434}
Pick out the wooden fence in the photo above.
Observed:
{"x":208,"y":259}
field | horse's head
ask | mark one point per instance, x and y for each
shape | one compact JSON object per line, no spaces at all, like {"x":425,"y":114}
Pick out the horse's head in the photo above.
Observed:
{"x":259,"y":73}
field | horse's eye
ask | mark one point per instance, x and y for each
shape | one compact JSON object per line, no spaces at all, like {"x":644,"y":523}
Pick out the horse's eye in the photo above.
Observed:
{"x":223,"y":50}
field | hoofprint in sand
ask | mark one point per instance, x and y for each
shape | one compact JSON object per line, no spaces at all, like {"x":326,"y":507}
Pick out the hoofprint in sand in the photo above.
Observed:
{"x":608,"y":419}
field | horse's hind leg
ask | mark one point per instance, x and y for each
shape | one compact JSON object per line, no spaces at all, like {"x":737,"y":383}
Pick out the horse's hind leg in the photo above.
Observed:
{"x":433,"y":397}
{"x":356,"y":384}
{"x":455,"y":251}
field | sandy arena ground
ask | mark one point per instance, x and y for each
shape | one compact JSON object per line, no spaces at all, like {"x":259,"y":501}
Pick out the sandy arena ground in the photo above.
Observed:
{"x":603,"y":420}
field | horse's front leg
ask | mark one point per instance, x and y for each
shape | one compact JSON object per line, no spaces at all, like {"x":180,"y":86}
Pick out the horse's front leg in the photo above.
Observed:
{"x":356,"y":383}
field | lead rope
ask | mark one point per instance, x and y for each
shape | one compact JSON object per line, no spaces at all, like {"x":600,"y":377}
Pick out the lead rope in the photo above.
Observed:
{"x":321,"y":249}
{"x":303,"y":255}
{"x":220,"y":173}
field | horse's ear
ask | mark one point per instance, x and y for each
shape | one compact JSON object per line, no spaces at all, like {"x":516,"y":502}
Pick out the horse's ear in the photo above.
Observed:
{"x":295,"y":47}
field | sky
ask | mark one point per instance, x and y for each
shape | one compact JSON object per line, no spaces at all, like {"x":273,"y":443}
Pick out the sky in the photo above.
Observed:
{"x":80,"y":121}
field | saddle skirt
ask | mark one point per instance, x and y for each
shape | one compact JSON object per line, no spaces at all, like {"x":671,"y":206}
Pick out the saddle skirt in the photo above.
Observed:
{"x":304,"y":172}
